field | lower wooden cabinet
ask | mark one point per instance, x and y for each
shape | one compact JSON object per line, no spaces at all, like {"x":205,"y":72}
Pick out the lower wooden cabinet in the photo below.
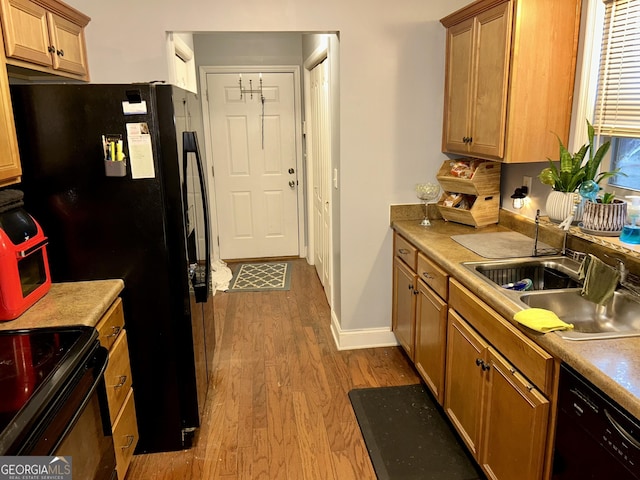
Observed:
{"x":431,"y":337}
{"x":119,"y":386}
{"x":500,"y":416}
{"x":463,"y":384}
{"x":420,"y":289}
{"x":125,"y":435}
{"x":495,"y":384}
{"x":404,"y":305}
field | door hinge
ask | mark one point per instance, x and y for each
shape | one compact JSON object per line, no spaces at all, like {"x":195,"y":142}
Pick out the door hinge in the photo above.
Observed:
{"x":218,"y":239}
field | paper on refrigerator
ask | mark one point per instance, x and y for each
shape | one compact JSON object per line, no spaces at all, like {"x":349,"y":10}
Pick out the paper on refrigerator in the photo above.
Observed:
{"x":140,"y":151}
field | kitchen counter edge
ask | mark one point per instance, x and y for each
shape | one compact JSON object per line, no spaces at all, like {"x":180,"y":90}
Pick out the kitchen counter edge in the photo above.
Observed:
{"x":69,"y":303}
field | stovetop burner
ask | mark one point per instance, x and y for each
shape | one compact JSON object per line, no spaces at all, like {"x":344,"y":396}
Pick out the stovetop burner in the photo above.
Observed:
{"x":31,"y":363}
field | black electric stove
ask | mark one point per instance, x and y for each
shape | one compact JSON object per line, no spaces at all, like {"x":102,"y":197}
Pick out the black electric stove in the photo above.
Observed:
{"x":38,"y":370}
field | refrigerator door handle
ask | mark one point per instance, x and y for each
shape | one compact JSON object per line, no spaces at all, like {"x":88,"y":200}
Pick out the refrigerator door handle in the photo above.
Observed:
{"x":200,"y":285}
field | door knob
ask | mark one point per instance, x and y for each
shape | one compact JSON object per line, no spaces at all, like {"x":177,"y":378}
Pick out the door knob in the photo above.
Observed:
{"x":292,"y":184}
{"x":292,"y":171}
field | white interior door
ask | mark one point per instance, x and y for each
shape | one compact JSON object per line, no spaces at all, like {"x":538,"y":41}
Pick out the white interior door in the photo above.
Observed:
{"x":321,"y":164}
{"x":254,"y":160}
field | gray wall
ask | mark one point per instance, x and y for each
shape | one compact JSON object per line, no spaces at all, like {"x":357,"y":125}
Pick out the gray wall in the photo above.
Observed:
{"x":391,"y":60}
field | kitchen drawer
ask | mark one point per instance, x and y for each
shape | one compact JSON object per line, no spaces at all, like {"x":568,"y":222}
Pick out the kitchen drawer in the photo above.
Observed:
{"x":125,"y":435}
{"x":111,"y":324}
{"x":405,"y":251}
{"x":433,"y":275}
{"x":117,"y":377}
{"x":534,"y":362}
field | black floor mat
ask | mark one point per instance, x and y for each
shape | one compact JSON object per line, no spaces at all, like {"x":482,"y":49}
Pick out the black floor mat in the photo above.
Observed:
{"x":408,"y":437}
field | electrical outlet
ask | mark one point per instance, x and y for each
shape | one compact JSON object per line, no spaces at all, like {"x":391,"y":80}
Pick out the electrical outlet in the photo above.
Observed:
{"x":526,"y":182}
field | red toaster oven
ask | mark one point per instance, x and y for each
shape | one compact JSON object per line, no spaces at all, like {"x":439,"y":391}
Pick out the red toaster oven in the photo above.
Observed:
{"x":24,"y":266}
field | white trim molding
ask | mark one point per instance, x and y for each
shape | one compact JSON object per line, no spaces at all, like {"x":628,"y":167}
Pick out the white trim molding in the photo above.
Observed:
{"x":587,"y":72}
{"x":179,"y":52}
{"x":362,"y":338}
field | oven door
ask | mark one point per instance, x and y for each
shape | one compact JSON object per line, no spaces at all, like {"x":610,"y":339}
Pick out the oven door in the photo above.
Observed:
{"x":78,"y":425}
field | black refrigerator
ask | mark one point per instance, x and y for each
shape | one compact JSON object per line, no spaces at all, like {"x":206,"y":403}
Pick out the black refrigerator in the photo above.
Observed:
{"x":114,"y":175}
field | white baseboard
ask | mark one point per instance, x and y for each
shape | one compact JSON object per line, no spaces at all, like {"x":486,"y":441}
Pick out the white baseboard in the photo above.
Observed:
{"x":364,"y":338}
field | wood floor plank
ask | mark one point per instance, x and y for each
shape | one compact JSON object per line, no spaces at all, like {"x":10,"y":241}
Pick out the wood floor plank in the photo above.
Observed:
{"x":278,"y":407}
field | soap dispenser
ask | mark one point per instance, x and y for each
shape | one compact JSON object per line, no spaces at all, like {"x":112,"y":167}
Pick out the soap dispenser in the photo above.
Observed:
{"x":631,"y":230}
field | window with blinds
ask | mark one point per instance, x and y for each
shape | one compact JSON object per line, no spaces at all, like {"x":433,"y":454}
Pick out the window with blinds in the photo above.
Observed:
{"x":617,"y":110}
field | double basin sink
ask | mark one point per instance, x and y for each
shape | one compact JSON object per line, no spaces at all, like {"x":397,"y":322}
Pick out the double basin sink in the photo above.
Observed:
{"x":555,"y":286}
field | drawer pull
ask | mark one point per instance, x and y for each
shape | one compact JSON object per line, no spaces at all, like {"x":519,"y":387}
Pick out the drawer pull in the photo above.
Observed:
{"x":403,"y":251}
{"x":123,"y":380}
{"x":130,"y":439}
{"x":427,"y":275}
{"x":115,"y":330}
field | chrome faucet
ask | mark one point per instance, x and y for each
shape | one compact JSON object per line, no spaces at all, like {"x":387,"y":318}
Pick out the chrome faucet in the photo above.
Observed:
{"x":624,"y":275}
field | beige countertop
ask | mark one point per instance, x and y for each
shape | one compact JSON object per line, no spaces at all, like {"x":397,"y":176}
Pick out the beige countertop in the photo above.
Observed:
{"x":73,"y":303}
{"x":613,"y":365}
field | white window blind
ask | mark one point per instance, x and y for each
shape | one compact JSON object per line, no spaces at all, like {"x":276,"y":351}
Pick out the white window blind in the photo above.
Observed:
{"x":617,"y":112}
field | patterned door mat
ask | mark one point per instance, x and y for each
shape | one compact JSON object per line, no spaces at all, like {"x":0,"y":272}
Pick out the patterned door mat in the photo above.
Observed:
{"x":261,"y":277}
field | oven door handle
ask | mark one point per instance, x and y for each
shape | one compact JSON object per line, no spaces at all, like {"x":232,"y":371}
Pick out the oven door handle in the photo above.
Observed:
{"x":99,"y":364}
{"x":30,"y":250}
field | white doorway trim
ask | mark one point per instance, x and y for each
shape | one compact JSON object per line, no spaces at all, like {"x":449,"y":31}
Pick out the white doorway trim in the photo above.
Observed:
{"x":295,"y":70}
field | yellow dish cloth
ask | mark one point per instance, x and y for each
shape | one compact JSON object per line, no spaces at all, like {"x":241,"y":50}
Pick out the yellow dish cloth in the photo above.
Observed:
{"x":541,"y":320}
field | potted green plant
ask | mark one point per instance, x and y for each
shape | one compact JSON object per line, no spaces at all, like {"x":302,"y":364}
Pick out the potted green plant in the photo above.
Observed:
{"x":575,"y":169}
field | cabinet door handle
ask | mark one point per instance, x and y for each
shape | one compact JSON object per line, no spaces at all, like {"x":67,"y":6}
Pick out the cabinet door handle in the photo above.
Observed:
{"x":410,"y":287}
{"x":479,"y":362}
{"x":485,"y":366}
{"x":115,"y":330}
{"x":130,"y":439}
{"x":123,"y":380}
{"x":60,"y":53}
{"x":51,"y":49}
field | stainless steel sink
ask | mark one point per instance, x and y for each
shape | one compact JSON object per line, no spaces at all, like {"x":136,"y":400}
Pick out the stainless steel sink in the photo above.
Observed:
{"x":620,"y":317}
{"x":545,"y":272}
{"x":556,"y":287}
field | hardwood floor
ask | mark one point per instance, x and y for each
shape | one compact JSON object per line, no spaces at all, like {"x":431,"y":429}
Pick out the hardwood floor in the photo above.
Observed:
{"x":278,"y":408}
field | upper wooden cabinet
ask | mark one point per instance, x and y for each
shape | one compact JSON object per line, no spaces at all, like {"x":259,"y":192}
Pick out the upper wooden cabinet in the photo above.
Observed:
{"x":510,"y":68}
{"x":10,"y":170}
{"x":46,"y":36}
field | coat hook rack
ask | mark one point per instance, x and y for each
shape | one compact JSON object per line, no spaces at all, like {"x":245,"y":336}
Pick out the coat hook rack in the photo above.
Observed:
{"x":250,"y":90}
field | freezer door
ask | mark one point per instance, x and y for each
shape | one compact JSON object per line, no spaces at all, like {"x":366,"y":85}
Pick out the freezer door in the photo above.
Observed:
{"x":194,"y":195}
